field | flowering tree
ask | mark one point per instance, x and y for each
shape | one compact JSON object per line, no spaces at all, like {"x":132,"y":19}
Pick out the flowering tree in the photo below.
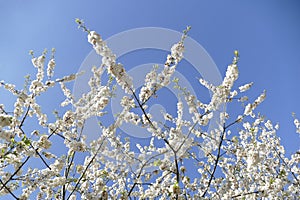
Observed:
{"x":241,"y":158}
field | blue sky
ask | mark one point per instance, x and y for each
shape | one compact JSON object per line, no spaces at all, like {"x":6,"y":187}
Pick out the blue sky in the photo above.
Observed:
{"x":267,"y":34}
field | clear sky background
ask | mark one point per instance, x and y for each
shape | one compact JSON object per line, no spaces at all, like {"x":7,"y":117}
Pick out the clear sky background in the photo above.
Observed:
{"x":266,"y":33}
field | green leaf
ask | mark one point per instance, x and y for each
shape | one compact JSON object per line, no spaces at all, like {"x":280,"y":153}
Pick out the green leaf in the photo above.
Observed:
{"x":26,"y":141}
{"x":157,"y":162}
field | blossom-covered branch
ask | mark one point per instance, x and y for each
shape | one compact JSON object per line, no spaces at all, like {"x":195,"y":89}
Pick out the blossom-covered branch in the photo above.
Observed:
{"x":241,"y":157}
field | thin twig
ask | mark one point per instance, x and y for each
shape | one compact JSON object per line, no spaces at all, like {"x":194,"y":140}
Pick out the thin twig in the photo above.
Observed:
{"x":216,"y":162}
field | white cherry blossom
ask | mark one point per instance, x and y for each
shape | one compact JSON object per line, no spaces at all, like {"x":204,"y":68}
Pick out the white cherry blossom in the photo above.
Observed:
{"x":240,"y":158}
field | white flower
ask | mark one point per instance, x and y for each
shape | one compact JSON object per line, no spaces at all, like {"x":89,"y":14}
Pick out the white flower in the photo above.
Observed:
{"x":69,"y":118}
{"x":6,"y":135}
{"x":245,"y":87}
{"x":233,"y":93}
{"x":145,"y":93}
{"x":5,"y":120}
{"x":38,"y":62}
{"x":253,"y":159}
{"x":109,"y":60}
{"x":50,"y":83}
{"x":94,"y":38}
{"x":73,"y":197}
{"x":269,"y":125}
{"x":177,"y":52}
{"x":44,"y":142}
{"x":250,"y":107}
{"x":50,"y":68}
{"x":297,"y":124}
{"x":11,"y":88}
{"x":36,"y":87}
{"x":76,"y":146}
{"x":57,"y":181}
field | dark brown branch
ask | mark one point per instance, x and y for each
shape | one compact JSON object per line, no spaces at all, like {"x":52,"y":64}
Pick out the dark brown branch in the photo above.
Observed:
{"x":67,"y":171}
{"x":19,"y":168}
{"x":248,"y":193}
{"x":140,"y":172}
{"x":216,"y":161}
{"x":293,"y":174}
{"x":10,"y":192}
{"x":36,"y":151}
{"x":165,"y":140}
{"x":85,"y":170}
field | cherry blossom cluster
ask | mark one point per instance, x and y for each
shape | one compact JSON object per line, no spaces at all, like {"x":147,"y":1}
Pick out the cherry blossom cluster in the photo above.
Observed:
{"x":154,"y":81}
{"x":109,"y":59}
{"x":240,"y":158}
